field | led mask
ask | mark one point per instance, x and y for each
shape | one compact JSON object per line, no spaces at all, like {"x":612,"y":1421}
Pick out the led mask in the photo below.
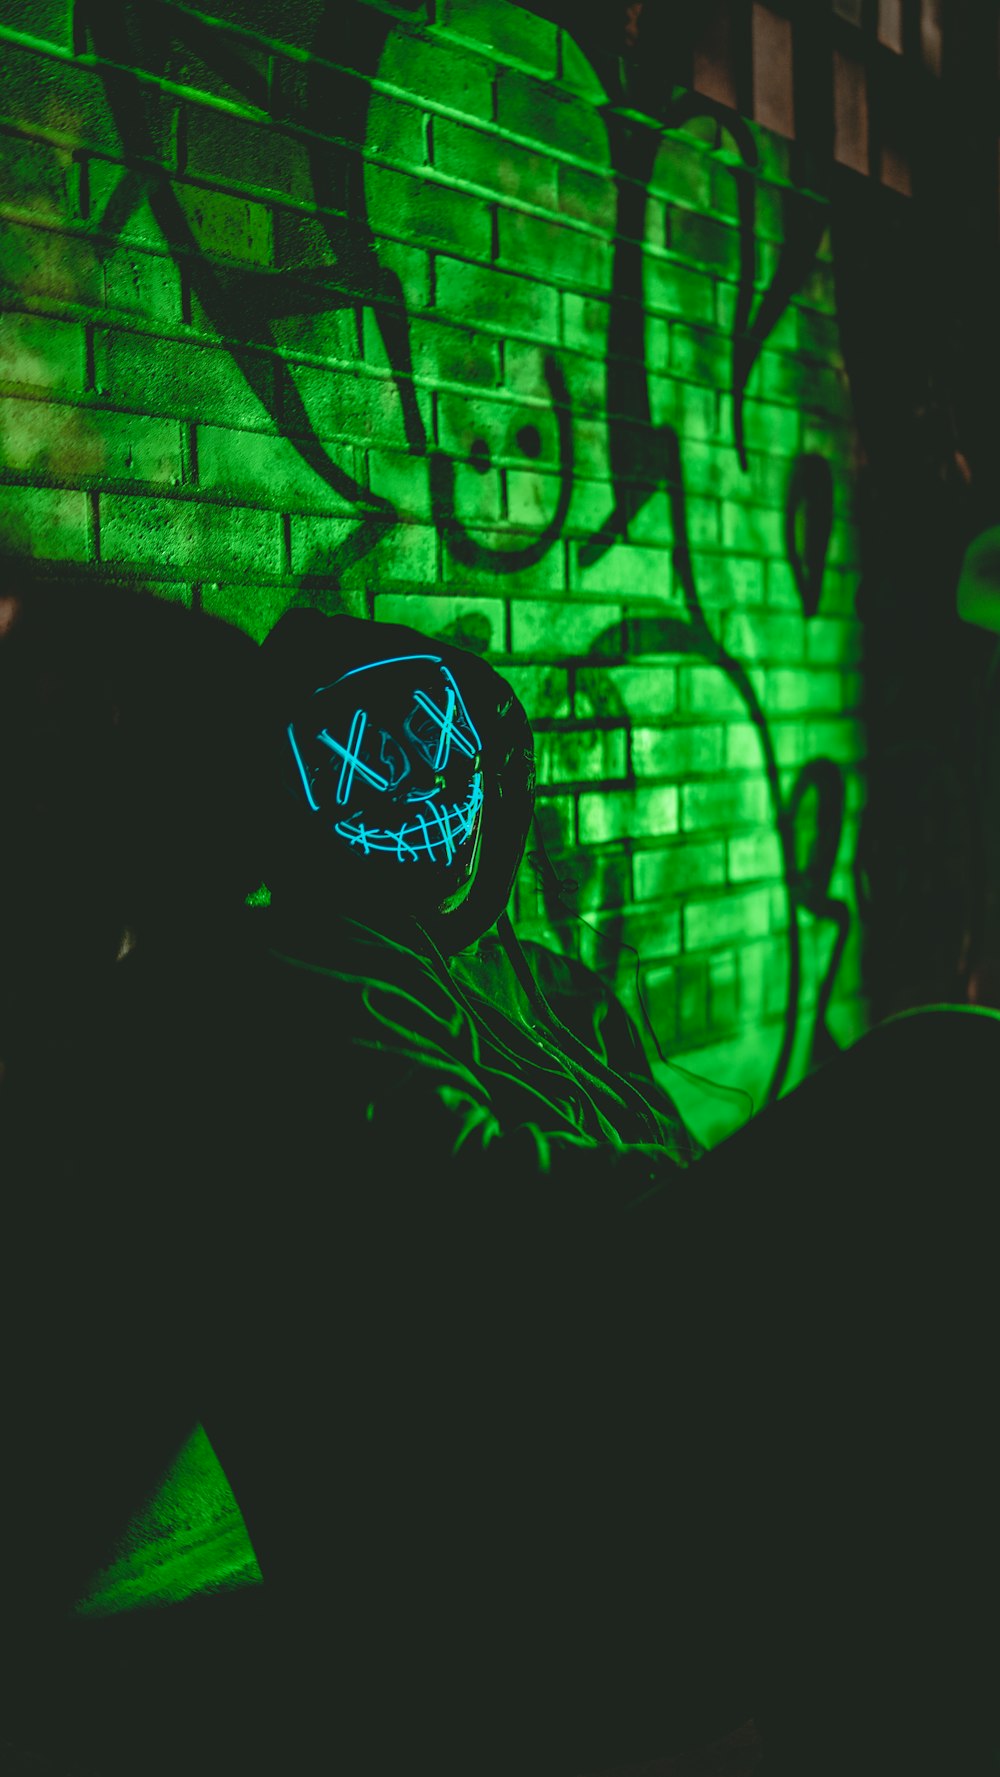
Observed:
{"x":388,"y":756}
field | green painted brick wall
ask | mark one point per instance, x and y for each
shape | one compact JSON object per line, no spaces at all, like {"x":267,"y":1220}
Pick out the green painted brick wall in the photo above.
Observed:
{"x":353,"y":305}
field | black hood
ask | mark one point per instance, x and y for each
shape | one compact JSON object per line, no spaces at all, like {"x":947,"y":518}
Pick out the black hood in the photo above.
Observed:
{"x":307,"y":650}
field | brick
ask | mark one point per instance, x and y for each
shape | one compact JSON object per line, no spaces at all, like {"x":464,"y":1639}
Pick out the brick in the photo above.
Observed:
{"x":673,"y":752}
{"x":436,"y":215}
{"x":620,"y":814}
{"x":258,"y":466}
{"x":475,"y":624}
{"x":543,"y":627}
{"x":36,"y":176}
{"x":804,"y":382}
{"x":766,"y":425}
{"x":754,"y":530}
{"x":48,"y":19}
{"x":803,"y":692}
{"x":448,"y":354}
{"x":212,"y":221}
{"x":744,"y":745}
{"x":429,"y":70}
{"x":682,"y":173}
{"x":478,"y":497}
{"x":695,"y":240}
{"x":543,"y":690}
{"x":678,"y":869}
{"x":690,"y":408}
{"x":511,"y":304}
{"x":403,"y":480}
{"x":188,"y":534}
{"x":635,"y":691}
{"x":714,"y":470}
{"x":703,"y":521}
{"x":48,"y":262}
{"x":726,"y":919}
{"x":254,"y":609}
{"x":488,"y":159}
{"x":171,"y":376}
{"x":585,"y":322}
{"x":588,"y":197}
{"x":46,"y":523}
{"x":628,"y":570}
{"x":508,"y":33}
{"x":590,"y":438}
{"x":64,"y":100}
{"x":780,"y":639}
{"x":829,"y":643}
{"x":143,"y":284}
{"x":553,"y":118}
{"x":575,"y":756}
{"x":732,"y":801}
{"x":578,"y":75}
{"x":347,"y":404}
{"x":412,"y":267}
{"x":753,"y":856}
{"x":844,"y":741}
{"x":401,"y":553}
{"x":396,"y":130}
{"x":707,"y":691}
{"x":531,"y":497}
{"x":673,"y":289}
{"x":782,"y":592}
{"x":792,"y":692}
{"x":45,"y":354}
{"x":332,"y":334}
{"x":237,"y":151}
{"x":767,"y":483}
{"x":550,"y":250}
{"x":302,"y":246}
{"x":51,"y":438}
{"x":728,"y":580}
{"x":702,"y":356}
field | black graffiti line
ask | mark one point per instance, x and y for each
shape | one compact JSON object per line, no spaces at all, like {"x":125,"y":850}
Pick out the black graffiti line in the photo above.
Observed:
{"x":288,"y":410}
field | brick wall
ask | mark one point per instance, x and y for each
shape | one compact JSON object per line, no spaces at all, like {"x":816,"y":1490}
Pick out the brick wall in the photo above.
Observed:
{"x":379,"y":309}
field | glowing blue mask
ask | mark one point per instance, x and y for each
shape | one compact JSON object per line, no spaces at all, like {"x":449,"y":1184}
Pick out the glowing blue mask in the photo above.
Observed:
{"x":389,"y":756}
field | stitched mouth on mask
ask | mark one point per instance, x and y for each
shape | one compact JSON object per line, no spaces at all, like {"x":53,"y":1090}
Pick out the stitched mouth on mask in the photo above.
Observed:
{"x":435,"y":832}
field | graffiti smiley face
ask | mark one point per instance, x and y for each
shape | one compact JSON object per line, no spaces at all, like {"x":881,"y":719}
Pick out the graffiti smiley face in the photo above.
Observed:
{"x":389,"y":756}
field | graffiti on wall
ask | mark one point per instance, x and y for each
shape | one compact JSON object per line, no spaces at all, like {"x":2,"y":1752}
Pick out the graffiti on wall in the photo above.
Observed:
{"x":251,"y":308}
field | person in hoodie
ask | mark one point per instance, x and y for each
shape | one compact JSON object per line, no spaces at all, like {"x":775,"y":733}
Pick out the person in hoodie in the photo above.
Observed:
{"x":558,"y":1451}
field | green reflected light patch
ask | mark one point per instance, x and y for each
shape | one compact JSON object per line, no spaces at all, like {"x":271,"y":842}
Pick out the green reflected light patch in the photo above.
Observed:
{"x":188,"y":1537}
